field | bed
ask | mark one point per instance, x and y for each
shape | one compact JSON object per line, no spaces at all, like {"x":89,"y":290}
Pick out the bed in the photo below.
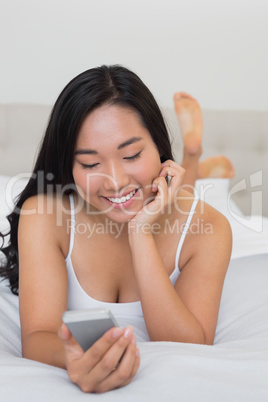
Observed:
{"x":235,"y":368}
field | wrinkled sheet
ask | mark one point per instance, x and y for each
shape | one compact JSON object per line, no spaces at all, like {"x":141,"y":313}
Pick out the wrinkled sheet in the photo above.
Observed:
{"x":234,"y":368}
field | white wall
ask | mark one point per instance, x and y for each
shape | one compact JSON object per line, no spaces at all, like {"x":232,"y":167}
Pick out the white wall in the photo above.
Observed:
{"x":216,"y":50}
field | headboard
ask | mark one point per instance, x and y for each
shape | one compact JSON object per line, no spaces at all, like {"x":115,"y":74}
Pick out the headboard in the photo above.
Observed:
{"x":240,"y":135}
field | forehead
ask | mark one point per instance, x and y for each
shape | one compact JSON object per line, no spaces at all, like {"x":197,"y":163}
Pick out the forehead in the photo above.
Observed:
{"x":111,"y":123}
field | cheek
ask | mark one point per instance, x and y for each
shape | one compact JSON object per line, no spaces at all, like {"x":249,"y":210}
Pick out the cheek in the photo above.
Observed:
{"x":149,"y":169}
{"x":86,"y":184}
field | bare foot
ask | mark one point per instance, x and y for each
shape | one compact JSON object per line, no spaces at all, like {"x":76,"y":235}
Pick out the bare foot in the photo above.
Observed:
{"x":190,"y":120}
{"x":217,"y":167}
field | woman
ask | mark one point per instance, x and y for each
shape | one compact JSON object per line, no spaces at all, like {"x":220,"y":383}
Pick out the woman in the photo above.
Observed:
{"x":103,"y":221}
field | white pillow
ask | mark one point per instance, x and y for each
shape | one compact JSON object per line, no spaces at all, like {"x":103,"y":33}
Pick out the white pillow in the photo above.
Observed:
{"x":216,"y":193}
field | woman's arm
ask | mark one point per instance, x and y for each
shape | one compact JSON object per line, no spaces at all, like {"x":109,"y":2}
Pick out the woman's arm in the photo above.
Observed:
{"x":42,"y":282}
{"x":187,"y":312}
{"x":43,"y":296}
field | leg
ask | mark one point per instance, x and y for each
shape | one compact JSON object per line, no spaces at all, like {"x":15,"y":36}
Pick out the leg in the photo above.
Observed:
{"x":190,"y":120}
{"x":191,"y":126}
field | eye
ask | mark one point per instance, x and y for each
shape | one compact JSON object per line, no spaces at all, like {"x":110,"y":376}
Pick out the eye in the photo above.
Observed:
{"x":136,"y":156}
{"x":89,"y":166}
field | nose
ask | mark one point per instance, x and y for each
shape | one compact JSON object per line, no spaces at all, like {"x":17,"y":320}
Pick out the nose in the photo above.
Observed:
{"x":115,"y":177}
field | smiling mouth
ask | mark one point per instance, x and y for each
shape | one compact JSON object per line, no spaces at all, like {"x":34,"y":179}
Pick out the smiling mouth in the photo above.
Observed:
{"x":123,"y":199}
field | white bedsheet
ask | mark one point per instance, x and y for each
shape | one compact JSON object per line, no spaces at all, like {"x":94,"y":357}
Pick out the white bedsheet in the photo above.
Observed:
{"x":235,"y":368}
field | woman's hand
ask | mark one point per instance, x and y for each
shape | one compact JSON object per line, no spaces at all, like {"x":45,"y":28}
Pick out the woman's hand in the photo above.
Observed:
{"x":166,"y":187}
{"x":110,"y":363}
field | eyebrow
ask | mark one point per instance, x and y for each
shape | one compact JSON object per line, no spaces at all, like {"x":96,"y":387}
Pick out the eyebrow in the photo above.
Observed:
{"x":123,"y":145}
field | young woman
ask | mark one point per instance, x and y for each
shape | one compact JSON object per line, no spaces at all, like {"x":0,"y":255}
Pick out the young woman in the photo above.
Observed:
{"x":105,"y":221}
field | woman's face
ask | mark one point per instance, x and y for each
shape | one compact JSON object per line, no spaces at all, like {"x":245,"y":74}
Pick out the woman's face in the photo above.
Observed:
{"x":115,"y":162}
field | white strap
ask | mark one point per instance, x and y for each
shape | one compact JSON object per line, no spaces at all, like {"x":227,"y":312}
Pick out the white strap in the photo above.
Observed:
{"x":72,"y":228}
{"x":185,"y":230}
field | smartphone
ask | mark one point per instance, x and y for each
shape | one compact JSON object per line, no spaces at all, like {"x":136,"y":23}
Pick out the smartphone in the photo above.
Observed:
{"x":87,"y":326}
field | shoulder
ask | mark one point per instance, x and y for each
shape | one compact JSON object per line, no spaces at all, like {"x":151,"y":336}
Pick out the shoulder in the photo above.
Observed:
{"x":204,"y":218}
{"x":215,"y":240}
{"x":45,"y":217}
{"x":45,"y":204}
{"x":209,"y":234}
{"x":214,"y":224}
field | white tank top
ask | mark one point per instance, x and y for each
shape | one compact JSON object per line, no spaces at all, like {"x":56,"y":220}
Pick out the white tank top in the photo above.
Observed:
{"x":125,"y":313}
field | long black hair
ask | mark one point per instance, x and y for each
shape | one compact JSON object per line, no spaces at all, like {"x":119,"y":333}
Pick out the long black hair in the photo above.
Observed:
{"x":114,"y":85}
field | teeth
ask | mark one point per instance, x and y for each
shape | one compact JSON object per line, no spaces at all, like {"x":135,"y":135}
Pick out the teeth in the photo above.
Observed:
{"x":123,"y":199}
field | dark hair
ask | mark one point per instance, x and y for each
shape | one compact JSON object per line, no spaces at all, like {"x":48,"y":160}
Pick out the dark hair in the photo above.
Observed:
{"x":114,"y":85}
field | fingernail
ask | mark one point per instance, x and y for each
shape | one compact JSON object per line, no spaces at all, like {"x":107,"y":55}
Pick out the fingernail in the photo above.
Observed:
{"x":128,"y":332}
{"x":137,"y":352}
{"x":154,"y":187}
{"x":133,"y":340}
{"x":117,"y":332}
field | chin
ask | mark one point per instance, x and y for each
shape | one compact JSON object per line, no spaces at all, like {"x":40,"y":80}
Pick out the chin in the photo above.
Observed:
{"x":121,"y":216}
